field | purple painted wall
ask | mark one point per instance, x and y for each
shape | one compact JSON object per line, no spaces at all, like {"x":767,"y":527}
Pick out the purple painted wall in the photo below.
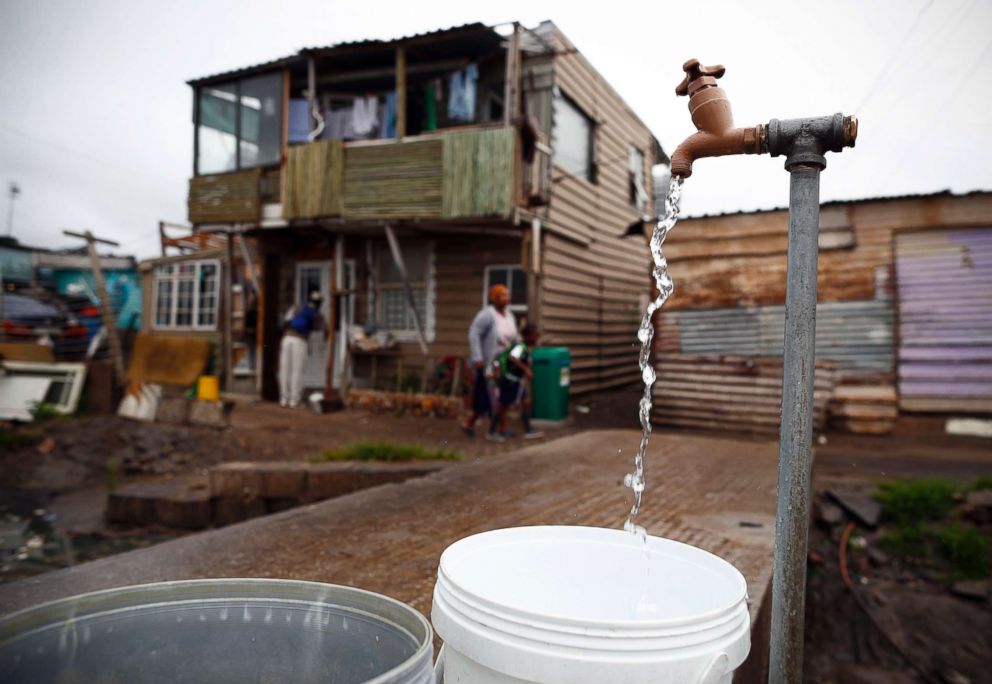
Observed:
{"x":944,"y":281}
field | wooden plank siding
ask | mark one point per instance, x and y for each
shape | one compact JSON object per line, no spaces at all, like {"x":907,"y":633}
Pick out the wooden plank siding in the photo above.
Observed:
{"x":595,"y":281}
{"x":225,"y":198}
{"x":459,"y":270}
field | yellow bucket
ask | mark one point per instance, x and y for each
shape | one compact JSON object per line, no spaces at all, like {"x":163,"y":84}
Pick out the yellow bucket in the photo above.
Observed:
{"x":208,"y":388}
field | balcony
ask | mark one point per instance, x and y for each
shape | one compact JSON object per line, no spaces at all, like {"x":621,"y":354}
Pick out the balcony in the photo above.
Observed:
{"x":470,"y":172}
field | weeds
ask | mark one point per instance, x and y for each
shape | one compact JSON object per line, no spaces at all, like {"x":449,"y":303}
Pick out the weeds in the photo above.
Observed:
{"x":911,"y":503}
{"x":41,"y":411}
{"x":923,"y":525}
{"x":388,"y":451}
{"x":967,"y":549}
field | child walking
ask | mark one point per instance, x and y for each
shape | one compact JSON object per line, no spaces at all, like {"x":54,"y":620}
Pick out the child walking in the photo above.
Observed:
{"x":515,"y":372}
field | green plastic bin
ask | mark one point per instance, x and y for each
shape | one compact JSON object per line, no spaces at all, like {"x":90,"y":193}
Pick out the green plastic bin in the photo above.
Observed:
{"x":552,"y":379}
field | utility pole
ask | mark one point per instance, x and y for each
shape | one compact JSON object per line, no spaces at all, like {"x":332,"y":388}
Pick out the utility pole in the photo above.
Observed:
{"x":109,"y":324}
{"x":13,"y":190}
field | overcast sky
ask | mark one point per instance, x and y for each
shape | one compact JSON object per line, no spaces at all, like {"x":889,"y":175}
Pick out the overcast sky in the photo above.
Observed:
{"x":95,"y":116}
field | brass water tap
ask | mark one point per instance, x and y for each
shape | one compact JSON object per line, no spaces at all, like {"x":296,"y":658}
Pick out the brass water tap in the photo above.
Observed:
{"x":714,"y":121}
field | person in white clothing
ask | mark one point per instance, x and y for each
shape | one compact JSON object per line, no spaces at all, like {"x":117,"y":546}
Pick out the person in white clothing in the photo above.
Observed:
{"x":300,"y":322}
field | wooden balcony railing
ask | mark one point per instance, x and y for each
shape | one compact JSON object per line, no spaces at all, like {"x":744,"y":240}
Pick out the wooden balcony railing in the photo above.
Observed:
{"x":464,"y":173}
{"x":455,"y":174}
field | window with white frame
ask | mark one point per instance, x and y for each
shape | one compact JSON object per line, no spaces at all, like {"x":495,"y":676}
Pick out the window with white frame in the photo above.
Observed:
{"x":394,"y":313}
{"x":516,"y":282}
{"x":572,"y":138}
{"x":638,"y":195}
{"x":187,"y":295}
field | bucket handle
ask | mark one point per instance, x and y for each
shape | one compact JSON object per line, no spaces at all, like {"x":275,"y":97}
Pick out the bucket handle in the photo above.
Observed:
{"x":715,"y":671}
{"x":439,"y":666}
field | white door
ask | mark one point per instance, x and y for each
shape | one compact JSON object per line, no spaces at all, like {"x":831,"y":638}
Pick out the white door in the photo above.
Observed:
{"x":315,"y":276}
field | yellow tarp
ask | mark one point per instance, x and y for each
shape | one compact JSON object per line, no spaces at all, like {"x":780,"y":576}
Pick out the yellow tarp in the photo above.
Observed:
{"x":168,"y":360}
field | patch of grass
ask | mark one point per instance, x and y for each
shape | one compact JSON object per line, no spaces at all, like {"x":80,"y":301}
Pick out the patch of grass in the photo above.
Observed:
{"x":911,"y":503}
{"x":41,"y":411}
{"x":967,"y":549}
{"x":388,"y":451}
{"x":910,"y":541}
{"x":980,"y":482}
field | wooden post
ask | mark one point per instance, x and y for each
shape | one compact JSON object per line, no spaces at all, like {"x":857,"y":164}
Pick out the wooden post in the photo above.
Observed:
{"x":107,"y":314}
{"x":311,"y":92}
{"x":227,"y":339}
{"x":332,"y":317}
{"x":400,"y":93}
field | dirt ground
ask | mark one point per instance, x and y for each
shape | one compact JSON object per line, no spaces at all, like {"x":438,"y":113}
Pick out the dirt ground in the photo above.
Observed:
{"x":59,"y":477}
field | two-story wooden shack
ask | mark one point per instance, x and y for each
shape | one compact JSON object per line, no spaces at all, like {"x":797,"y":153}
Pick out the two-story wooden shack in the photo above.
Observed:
{"x":422,"y":171}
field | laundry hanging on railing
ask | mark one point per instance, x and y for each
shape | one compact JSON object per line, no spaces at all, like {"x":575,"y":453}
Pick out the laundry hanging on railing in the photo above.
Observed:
{"x":462,"y":90}
{"x":364,"y":115}
{"x":299,"y":120}
{"x":388,"y":128}
{"x":428,"y":116}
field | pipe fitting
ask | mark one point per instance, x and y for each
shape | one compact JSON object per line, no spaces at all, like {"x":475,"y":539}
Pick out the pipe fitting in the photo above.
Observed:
{"x":805,"y":141}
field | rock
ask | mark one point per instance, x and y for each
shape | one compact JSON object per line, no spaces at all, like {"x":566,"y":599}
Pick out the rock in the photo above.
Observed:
{"x":46,"y":447}
{"x":172,"y":410}
{"x":209,"y":413}
{"x":978,"y":506}
{"x":953,"y":677}
{"x":977,"y":590}
{"x":829,"y":513}
{"x":877,"y":557}
{"x":860,"y":505}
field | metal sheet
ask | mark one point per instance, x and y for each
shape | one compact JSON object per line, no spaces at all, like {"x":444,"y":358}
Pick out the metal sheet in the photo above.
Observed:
{"x":855,"y":335}
{"x":944,"y":282}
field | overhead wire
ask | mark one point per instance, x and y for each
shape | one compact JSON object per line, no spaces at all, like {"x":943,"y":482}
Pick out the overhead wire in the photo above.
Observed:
{"x":890,"y":62}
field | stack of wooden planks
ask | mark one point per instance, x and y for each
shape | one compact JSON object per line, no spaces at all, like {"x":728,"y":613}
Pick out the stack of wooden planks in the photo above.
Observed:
{"x":478,"y":173}
{"x":225,"y":197}
{"x":735,"y":393}
{"x":865,"y":409}
{"x":314,"y":179}
{"x":393,"y":180}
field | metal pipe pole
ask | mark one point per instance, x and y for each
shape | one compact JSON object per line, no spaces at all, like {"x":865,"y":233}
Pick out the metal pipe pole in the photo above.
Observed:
{"x":796,"y":438}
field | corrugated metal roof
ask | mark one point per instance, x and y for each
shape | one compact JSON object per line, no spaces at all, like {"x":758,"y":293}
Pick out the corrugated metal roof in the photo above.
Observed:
{"x":832,"y":203}
{"x":314,"y":51}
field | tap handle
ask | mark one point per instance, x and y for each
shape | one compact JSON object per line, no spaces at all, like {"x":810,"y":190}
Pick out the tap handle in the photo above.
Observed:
{"x":694,"y":71}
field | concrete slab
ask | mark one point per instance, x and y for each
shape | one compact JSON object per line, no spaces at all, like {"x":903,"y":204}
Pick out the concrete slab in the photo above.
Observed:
{"x":718,"y":494}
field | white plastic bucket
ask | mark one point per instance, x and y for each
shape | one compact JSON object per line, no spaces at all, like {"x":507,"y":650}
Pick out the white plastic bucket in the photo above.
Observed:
{"x":585,"y":605}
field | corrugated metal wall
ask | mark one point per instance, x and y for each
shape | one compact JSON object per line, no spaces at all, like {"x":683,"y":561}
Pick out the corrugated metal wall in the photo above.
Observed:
{"x":944,"y":280}
{"x":855,"y":335}
{"x":594,"y":279}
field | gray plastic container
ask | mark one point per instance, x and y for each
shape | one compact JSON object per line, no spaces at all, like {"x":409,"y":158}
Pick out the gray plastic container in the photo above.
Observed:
{"x":227,"y":630}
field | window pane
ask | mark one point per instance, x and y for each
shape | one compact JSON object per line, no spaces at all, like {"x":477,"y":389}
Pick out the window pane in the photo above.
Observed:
{"x":309,"y":282}
{"x":261,"y":120}
{"x":572,"y":138}
{"x":497,"y":276}
{"x":638,"y":193}
{"x":207,"y":311}
{"x":392,"y":306}
{"x":414,"y":258}
{"x":163,"y":301}
{"x":518,"y":288}
{"x":217,"y":139}
{"x":184,"y":303}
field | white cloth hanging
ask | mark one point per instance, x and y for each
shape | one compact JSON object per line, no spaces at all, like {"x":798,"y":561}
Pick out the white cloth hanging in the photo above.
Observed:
{"x":365,"y":115}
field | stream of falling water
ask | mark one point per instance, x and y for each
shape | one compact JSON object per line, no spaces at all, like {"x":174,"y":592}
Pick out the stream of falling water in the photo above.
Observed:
{"x":645,"y":334}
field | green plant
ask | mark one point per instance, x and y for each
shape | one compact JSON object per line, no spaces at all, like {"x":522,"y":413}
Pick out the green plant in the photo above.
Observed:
{"x":980,"y":482}
{"x":910,"y":503}
{"x":43,"y":411}
{"x":967,"y":549}
{"x":906,"y":541}
{"x":388,"y":451}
